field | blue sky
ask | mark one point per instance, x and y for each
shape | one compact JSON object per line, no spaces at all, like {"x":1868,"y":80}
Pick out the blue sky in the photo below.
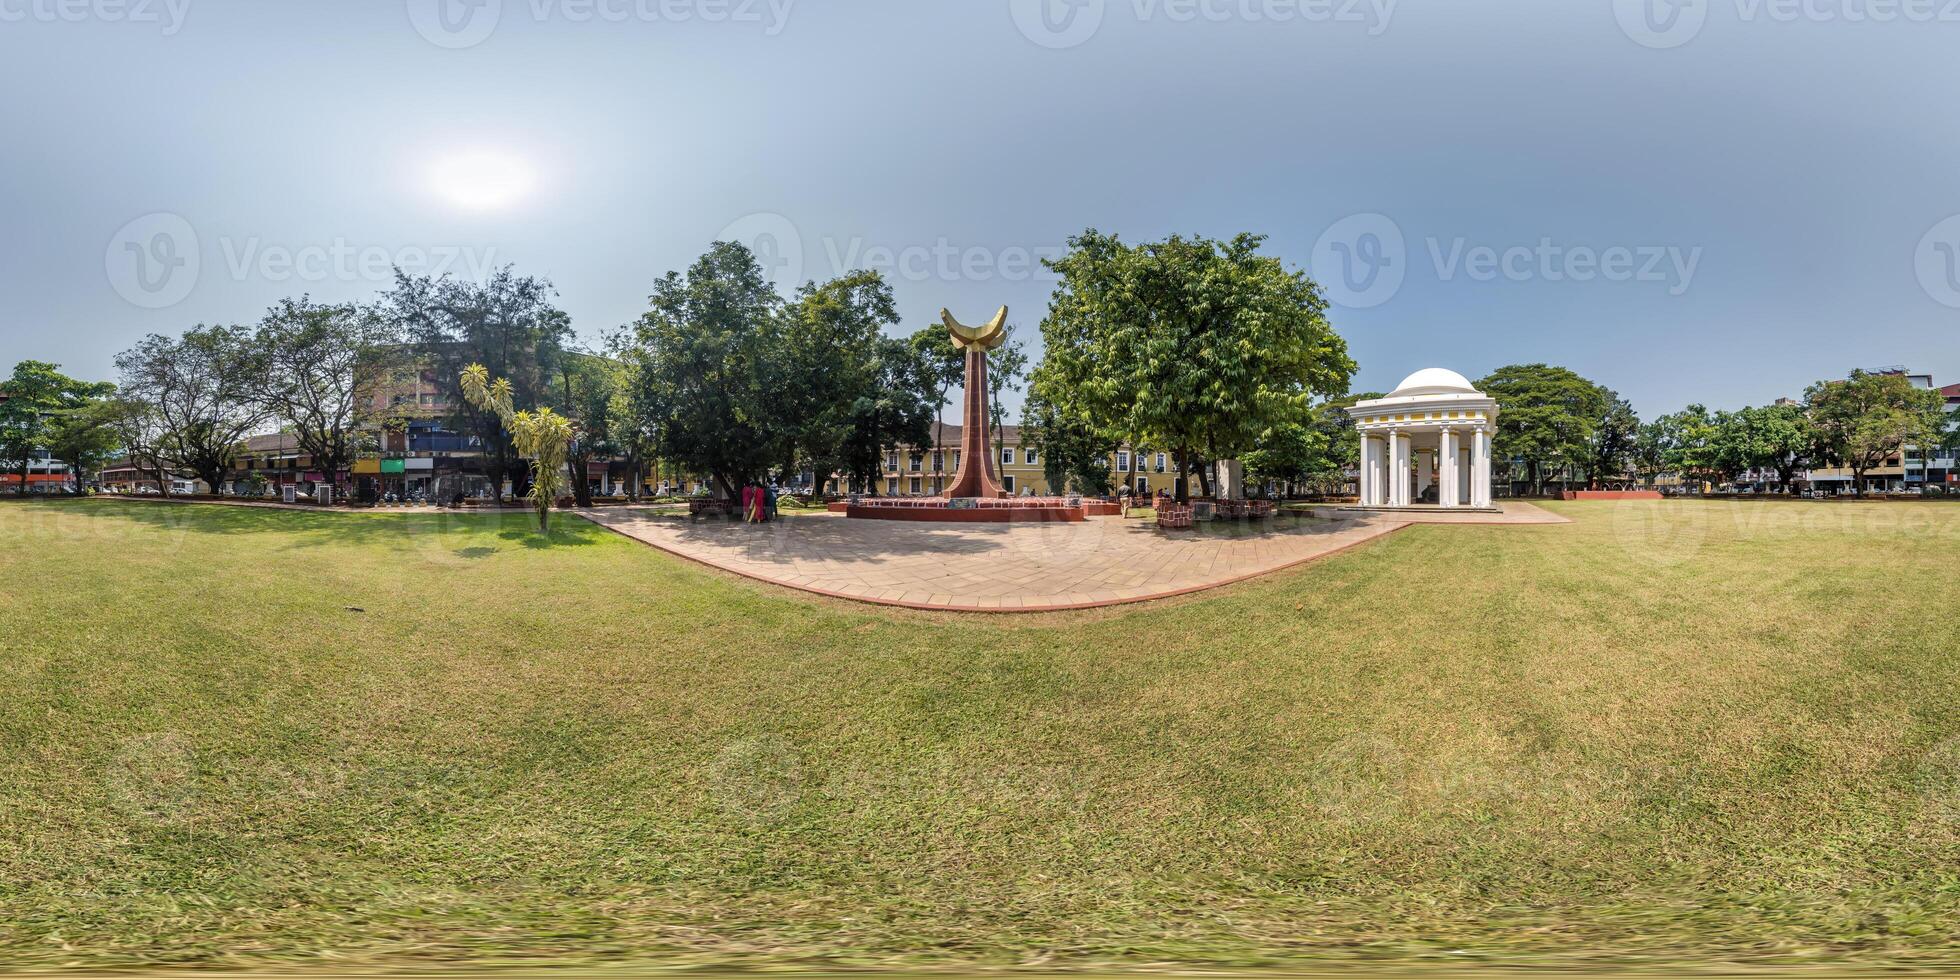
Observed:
{"x":1715,"y":201}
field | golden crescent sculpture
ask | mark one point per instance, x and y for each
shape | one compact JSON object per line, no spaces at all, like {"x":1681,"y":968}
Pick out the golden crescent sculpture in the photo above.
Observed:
{"x":977,"y":338}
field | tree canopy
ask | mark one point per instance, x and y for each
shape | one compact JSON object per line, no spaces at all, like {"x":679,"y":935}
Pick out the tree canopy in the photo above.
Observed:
{"x":1547,"y":417}
{"x":1193,"y":345}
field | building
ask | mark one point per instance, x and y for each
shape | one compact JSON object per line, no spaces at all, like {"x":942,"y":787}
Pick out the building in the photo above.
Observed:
{"x":1427,"y":442}
{"x":1910,"y":468}
{"x":918,"y":472}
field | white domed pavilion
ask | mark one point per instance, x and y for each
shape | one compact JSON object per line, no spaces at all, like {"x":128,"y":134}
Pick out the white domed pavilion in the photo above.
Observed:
{"x":1427,"y":443}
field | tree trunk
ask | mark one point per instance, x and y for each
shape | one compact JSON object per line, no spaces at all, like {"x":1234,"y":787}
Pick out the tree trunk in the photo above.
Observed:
{"x":1183,"y":476}
{"x":1204,"y":480}
{"x":581,"y":482}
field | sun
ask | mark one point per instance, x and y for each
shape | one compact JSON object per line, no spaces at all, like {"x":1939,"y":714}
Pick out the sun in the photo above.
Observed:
{"x":481,"y":180}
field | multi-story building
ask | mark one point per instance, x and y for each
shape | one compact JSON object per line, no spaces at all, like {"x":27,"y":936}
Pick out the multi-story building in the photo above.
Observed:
{"x":1913,"y":466}
{"x":911,"y":471}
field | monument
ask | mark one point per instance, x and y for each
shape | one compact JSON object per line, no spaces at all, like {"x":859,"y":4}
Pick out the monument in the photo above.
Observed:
{"x":976,"y":476}
{"x":976,"y":494}
{"x":1427,"y":444}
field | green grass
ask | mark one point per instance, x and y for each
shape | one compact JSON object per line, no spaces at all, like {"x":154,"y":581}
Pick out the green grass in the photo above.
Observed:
{"x":1670,"y":732}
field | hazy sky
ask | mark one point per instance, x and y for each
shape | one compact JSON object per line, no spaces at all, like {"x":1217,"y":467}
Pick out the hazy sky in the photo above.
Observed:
{"x":1705,"y":200}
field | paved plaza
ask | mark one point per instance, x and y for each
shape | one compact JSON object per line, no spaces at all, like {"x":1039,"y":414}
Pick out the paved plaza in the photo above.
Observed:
{"x":1012,"y":567}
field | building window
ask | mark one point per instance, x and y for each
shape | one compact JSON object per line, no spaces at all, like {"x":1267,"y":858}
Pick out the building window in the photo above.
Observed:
{"x":1033,"y":457}
{"x":1160,"y":462}
{"x":891,"y":486}
{"x":1007,"y":483}
{"x":956,"y":459}
{"x":938,"y":461}
{"x":1143,"y":485}
{"x":891,"y":462}
{"x":918,"y":463}
{"x":1007,"y":457}
{"x":915,"y":486}
{"x":1123,"y":461}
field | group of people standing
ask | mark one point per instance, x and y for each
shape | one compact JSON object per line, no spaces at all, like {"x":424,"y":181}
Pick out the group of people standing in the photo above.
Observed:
{"x":758,"y":503}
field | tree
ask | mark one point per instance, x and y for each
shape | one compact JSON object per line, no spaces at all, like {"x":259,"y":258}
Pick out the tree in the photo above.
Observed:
{"x":1196,"y":346}
{"x":507,"y":324}
{"x":707,"y":345}
{"x":1074,"y":455}
{"x":1688,"y":443}
{"x":1611,"y":446}
{"x":828,"y":366}
{"x":589,"y":384}
{"x":203,"y":389}
{"x":1289,"y":453}
{"x":1863,"y":421}
{"x":1780,"y":438}
{"x":542,"y":436}
{"x":944,"y":367}
{"x":318,"y":359}
{"x":632,"y":415}
{"x":897,"y":412}
{"x":1007,"y":368}
{"x":140,"y":431}
{"x":36,"y":395}
{"x":84,"y":437}
{"x":1547,"y":416}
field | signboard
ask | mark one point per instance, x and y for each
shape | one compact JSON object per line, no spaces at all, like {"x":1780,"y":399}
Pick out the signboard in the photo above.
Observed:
{"x":1203,"y":510}
{"x":394,"y":467}
{"x":421,"y":465}
{"x":963,"y":503}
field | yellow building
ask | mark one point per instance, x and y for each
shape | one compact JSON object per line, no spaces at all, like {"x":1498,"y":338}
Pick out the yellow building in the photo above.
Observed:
{"x":919,"y":472}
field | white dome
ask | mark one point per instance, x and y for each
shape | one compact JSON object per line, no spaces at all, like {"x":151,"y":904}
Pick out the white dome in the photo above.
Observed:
{"x":1433,"y":381}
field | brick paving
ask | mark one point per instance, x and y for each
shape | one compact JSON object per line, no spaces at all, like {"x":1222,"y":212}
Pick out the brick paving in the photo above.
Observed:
{"x":1005,"y":567}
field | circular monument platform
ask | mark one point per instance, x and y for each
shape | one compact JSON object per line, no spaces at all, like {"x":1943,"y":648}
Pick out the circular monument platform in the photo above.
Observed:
{"x":981,"y":510}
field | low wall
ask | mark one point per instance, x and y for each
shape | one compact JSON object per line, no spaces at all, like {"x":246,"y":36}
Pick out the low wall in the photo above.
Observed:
{"x":1611,"y":495}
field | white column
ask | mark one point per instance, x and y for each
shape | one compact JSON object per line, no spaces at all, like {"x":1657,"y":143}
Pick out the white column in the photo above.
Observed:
{"x":1446,"y":469}
{"x":1398,"y":471}
{"x":1480,"y":476}
{"x":1364,"y":479}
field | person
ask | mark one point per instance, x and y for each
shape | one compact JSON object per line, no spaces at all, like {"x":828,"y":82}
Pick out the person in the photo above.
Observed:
{"x":769,"y":503}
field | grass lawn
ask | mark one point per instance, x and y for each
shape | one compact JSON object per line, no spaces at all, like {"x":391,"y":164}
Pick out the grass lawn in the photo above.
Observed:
{"x":1673,"y":731}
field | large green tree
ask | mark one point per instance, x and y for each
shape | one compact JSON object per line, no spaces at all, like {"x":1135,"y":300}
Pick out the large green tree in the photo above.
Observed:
{"x":1074,"y":454}
{"x":317,"y":360}
{"x":36,"y":396}
{"x":1195,"y":346}
{"x":707,"y":345}
{"x":1688,"y":443}
{"x":828,"y":367}
{"x":85,"y":436}
{"x":1547,"y":417}
{"x":897,"y":411}
{"x":1863,"y":421}
{"x":944,"y":368}
{"x":1610,"y":448}
{"x":203,"y":390}
{"x":507,"y":323}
